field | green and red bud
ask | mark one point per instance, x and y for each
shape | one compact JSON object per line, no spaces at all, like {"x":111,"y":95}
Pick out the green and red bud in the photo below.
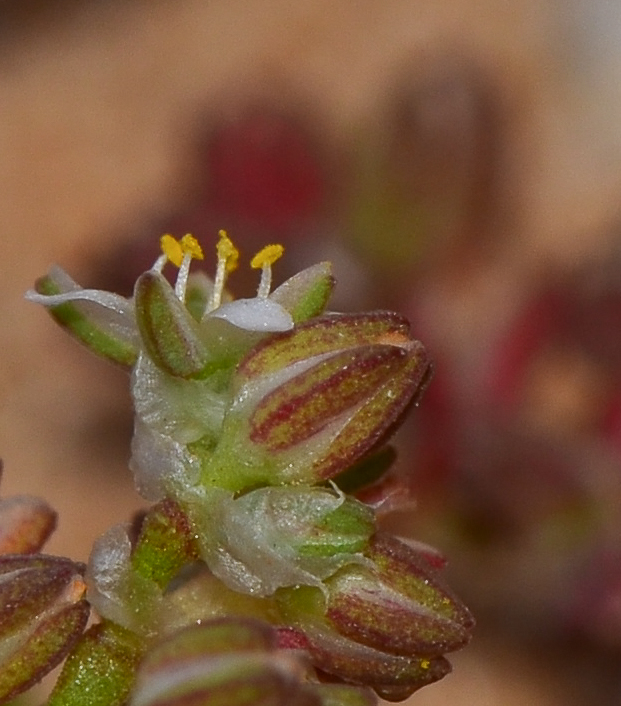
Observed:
{"x":386,"y":623}
{"x":309,"y":403}
{"x":42,"y":615}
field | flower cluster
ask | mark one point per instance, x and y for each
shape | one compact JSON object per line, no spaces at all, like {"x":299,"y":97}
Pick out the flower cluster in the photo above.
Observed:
{"x":253,"y":577}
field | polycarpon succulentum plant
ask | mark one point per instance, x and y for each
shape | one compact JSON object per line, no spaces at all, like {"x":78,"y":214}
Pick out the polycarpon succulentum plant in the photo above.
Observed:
{"x":258,"y":575}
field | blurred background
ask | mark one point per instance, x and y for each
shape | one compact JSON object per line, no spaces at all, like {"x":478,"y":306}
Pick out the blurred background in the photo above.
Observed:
{"x":458,"y":161}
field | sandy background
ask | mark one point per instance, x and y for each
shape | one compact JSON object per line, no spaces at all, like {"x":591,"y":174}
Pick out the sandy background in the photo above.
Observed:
{"x":99,"y":108}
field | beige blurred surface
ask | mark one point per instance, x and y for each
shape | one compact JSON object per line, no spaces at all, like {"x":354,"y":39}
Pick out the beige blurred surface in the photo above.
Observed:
{"x":98,"y":106}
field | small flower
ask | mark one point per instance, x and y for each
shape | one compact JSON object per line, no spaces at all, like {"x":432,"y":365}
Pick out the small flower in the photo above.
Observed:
{"x":246,"y":411}
{"x":183,"y":344}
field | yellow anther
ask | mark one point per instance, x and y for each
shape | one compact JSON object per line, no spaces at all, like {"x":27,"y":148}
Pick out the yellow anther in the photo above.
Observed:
{"x":171,"y":247}
{"x":227,"y":252}
{"x":190,"y":246}
{"x":267,"y":256}
{"x":425,"y":664}
{"x":175,"y":249}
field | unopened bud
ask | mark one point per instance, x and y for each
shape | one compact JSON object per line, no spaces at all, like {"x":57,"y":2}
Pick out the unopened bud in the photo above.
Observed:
{"x":42,"y":615}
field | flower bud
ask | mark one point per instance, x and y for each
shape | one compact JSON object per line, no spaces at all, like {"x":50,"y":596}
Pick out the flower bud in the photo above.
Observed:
{"x":384,"y":624}
{"x":25,"y":524}
{"x":42,"y":615}
{"x":309,"y":403}
{"x":228,"y":662}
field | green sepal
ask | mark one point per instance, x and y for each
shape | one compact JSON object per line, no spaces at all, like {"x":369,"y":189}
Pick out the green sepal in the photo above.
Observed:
{"x":168,"y":330}
{"x":85,"y":329}
{"x":306,"y":294}
{"x":346,"y":529}
{"x":101,"y":669}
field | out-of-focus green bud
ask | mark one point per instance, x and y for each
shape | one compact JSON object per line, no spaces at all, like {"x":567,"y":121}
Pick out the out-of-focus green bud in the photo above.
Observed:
{"x":168,"y":330}
{"x":343,"y":695}
{"x":273,"y":537}
{"x":309,"y":403}
{"x":226,"y":662}
{"x":306,"y":294}
{"x":385,"y":623}
{"x":102,"y":321}
{"x":42,"y":615}
{"x":101,"y":670}
{"x":26,"y":523}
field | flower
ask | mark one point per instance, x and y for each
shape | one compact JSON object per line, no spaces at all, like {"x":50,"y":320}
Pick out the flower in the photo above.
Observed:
{"x":248,"y":414}
{"x":240,"y":393}
{"x":182,"y":343}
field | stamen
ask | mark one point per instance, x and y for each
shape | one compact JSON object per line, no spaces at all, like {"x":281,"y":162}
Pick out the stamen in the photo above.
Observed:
{"x":190,"y":245}
{"x":180,"y":253}
{"x":265,"y":259}
{"x":191,"y":250}
{"x":228,"y":258}
{"x":172,"y":249}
